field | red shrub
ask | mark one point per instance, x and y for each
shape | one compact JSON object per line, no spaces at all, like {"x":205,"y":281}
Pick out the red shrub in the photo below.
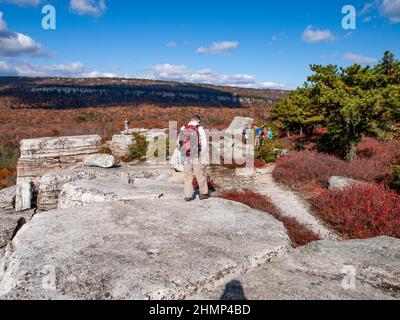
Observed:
{"x":388,"y":151}
{"x":362,"y":211}
{"x":299,"y":234}
{"x":258,"y":163}
{"x":310,"y":171}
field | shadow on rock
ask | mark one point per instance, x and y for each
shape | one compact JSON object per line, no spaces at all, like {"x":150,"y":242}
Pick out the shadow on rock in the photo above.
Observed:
{"x":233,"y":291}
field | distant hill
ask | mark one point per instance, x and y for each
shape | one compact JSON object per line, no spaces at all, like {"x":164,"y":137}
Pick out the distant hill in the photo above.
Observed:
{"x":71,"y":93}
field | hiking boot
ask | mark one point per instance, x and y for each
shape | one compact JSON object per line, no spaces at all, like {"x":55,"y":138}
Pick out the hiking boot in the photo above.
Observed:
{"x":204,"y":196}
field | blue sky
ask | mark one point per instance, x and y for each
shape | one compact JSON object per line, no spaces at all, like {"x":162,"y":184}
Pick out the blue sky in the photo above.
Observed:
{"x":261,"y":44}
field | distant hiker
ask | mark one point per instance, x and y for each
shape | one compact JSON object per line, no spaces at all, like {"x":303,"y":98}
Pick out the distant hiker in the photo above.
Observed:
{"x":258,"y":133}
{"x":127,"y":124}
{"x":193,"y":144}
{"x":246,"y":135}
{"x":270,"y":134}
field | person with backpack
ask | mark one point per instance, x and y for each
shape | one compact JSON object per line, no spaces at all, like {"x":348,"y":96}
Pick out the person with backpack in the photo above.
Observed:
{"x":193,"y":145}
{"x":270,"y":134}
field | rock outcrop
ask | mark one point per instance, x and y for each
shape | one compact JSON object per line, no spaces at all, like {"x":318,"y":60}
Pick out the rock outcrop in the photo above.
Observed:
{"x":143,"y":249}
{"x":114,"y":239}
{"x":239,"y":124}
{"x":84,"y":193}
{"x":39,"y":156}
{"x":341,"y":183}
{"x":121,"y":143}
{"x":100,"y":161}
{"x":356,"y":269}
{"x":7,"y":198}
{"x":23,"y":196}
{"x":52,"y":183}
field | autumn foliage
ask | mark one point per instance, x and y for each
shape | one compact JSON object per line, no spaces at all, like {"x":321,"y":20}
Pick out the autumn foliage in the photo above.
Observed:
{"x":362,"y":211}
{"x":310,"y":171}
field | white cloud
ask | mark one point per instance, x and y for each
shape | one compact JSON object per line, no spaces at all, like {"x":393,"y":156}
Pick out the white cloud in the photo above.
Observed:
{"x":88,"y":7}
{"x":171,"y":44}
{"x":73,"y":70}
{"x":97,"y":74}
{"x":360,"y":59}
{"x":24,"y":3}
{"x":311,"y":35}
{"x":391,"y":9}
{"x":14,"y":44}
{"x":219,"y":47}
{"x":181,"y":73}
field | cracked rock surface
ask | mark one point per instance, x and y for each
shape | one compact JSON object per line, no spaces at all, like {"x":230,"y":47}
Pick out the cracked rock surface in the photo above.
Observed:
{"x":144,"y":249}
{"x":355,"y":269}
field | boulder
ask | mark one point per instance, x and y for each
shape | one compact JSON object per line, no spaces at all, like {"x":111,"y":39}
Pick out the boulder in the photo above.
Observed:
{"x":84,"y":193}
{"x":100,"y":160}
{"x":7,"y":198}
{"x":120,"y":144}
{"x":142,"y":249}
{"x":23,"y":196}
{"x":152,"y":134}
{"x":239,"y":124}
{"x":324,"y":270}
{"x":39,"y":156}
{"x":51,"y":184}
{"x":341,"y":183}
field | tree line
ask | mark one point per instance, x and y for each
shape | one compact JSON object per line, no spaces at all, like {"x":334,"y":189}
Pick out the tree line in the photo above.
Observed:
{"x":349,"y":102}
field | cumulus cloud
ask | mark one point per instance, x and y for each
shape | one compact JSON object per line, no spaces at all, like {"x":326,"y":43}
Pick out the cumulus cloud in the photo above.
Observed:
{"x":181,"y":73}
{"x":386,"y":8}
{"x":358,"y":58}
{"x":391,"y":9}
{"x":72,"y":70}
{"x":14,"y":44}
{"x":219,"y":47}
{"x":311,"y":35}
{"x":94,"y":8}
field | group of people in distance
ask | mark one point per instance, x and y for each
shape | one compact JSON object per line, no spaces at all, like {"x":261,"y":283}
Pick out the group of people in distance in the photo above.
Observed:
{"x":262,"y":135}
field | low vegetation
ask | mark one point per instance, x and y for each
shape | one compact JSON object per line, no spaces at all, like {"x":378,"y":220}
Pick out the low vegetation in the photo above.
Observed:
{"x":362,"y":211}
{"x":299,"y":234}
{"x":139,"y":150}
{"x":310,"y":171}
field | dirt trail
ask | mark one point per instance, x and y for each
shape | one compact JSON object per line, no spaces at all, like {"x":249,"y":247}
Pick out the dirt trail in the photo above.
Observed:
{"x":289,"y":203}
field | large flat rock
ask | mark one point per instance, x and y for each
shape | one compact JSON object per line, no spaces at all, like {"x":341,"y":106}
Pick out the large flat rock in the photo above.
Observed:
{"x":142,"y":249}
{"x":51,"y":184}
{"x":86,"y":192}
{"x":317,"y":271}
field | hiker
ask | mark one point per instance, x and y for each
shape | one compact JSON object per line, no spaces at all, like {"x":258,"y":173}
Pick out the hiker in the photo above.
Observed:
{"x":127,"y":124}
{"x":262,"y":135}
{"x":258,"y":133}
{"x":193,"y":144}
{"x":246,"y":135}
{"x":270,"y":134}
